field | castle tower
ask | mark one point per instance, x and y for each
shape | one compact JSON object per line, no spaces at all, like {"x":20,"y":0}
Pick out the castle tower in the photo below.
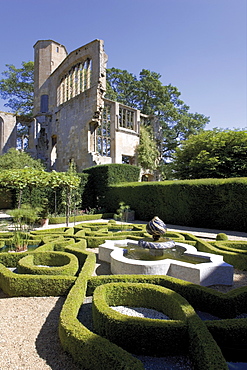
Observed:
{"x":48,"y":55}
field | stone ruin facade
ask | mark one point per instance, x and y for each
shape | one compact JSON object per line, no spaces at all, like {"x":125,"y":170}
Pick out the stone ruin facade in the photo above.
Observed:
{"x":7,"y":132}
{"x":72,"y":119}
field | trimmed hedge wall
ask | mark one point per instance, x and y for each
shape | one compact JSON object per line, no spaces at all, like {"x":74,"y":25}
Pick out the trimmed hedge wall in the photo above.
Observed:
{"x":209,"y":203}
{"x":101,"y":177}
{"x":6,"y":201}
{"x":233,"y":253}
{"x":62,"y":220}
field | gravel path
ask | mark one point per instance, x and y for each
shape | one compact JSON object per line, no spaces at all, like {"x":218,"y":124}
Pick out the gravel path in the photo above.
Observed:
{"x":29,"y":334}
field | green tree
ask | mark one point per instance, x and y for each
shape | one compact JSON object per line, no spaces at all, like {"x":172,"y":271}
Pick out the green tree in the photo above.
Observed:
{"x":147,"y":152}
{"x":23,"y":178}
{"x":69,"y":182}
{"x":17,"y":88}
{"x":170,"y":117}
{"x":11,"y":164}
{"x":70,"y":200}
{"x":15,"y":159}
{"x":217,"y":154}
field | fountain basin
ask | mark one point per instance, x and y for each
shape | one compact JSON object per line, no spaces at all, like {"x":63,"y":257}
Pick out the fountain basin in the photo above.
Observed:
{"x":216,"y":271}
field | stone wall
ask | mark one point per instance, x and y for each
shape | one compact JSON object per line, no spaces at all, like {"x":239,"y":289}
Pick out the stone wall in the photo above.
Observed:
{"x":7,"y":132}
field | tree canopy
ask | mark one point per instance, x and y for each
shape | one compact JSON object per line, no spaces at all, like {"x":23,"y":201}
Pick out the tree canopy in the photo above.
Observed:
{"x":17,"y":88}
{"x":172,"y":122}
{"x":15,"y":159}
{"x":212,"y":154}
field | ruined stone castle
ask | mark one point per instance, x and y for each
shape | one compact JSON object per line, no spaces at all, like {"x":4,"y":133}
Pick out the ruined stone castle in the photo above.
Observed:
{"x":72,"y":121}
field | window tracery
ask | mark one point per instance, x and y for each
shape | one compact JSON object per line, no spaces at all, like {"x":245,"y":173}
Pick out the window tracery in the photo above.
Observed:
{"x":126,"y":118}
{"x":76,"y":81}
{"x":104,"y":133}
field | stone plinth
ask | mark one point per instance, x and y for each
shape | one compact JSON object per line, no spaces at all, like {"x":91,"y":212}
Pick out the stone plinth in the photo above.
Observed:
{"x":216,"y":271}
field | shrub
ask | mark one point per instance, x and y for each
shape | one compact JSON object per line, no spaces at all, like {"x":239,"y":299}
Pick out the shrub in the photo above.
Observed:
{"x":221,"y":236}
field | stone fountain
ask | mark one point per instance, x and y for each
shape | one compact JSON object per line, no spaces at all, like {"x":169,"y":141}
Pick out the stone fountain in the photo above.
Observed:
{"x":160,"y":256}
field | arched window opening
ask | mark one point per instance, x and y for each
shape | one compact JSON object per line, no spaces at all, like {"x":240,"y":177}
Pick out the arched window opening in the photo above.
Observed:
{"x":104,"y":133}
{"x":53,"y":151}
{"x":76,"y":81}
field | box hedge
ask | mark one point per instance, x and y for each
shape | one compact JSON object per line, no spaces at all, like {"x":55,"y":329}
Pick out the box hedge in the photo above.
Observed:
{"x":101,"y":177}
{"x":232,"y":254}
{"x":42,"y":285}
{"x":90,"y":350}
{"x":210,"y":203}
{"x":137,"y":335}
{"x":48,"y":263}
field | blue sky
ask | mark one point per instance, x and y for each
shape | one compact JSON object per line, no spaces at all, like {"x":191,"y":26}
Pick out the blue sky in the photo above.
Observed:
{"x":199,"y":46}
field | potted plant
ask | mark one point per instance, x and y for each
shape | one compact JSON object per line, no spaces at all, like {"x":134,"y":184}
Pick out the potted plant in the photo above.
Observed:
{"x":23,"y":219}
{"x":124,"y":213}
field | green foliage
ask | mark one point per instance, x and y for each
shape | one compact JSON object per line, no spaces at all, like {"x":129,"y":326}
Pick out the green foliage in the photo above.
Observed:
{"x":17,"y":87}
{"x":29,"y":178}
{"x":235,"y":255}
{"x":70,"y":195}
{"x":221,"y":236}
{"x":23,"y":219}
{"x":211,"y":203}
{"x":168,"y":337}
{"x":100,"y":177}
{"x":20,"y":180}
{"x":121,"y":213}
{"x":216,"y":153}
{"x":15,"y":159}
{"x":18,"y":160}
{"x":171,"y":119}
{"x":48,"y":263}
{"x":24,"y":216}
{"x":147,"y":152}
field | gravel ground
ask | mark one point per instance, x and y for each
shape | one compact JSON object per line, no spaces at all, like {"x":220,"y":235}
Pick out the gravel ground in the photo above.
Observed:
{"x":29,"y":333}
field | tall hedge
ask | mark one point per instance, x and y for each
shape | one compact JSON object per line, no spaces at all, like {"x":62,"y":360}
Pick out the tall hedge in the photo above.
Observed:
{"x":101,"y":177}
{"x":208,"y":203}
{"x":6,"y":200}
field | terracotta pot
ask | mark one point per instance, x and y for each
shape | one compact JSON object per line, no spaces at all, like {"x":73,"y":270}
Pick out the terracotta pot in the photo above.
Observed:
{"x":44,"y":221}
